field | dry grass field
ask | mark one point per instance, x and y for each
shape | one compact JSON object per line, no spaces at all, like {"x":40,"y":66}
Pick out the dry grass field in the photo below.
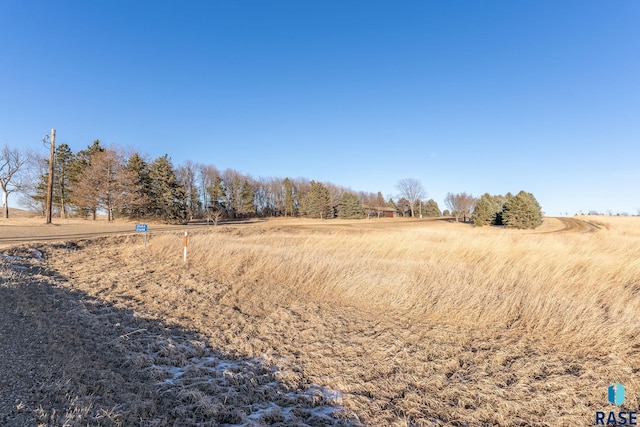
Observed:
{"x":300,"y":322}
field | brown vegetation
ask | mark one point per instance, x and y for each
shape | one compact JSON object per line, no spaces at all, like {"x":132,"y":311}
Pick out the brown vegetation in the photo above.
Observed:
{"x":384,"y":322}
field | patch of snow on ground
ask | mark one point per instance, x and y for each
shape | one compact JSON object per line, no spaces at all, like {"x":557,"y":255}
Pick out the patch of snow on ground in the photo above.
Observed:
{"x":11,"y":258}
{"x":38,"y":255}
{"x":249,"y":385}
{"x":13,"y":261}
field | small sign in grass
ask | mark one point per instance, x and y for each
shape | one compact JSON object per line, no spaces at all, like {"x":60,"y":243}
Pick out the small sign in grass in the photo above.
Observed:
{"x":142,"y":228}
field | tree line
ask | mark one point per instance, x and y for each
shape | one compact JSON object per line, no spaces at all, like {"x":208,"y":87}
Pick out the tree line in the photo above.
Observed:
{"x":99,"y":179}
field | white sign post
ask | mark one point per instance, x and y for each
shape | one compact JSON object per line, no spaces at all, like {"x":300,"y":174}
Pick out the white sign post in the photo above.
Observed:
{"x":186,"y":240}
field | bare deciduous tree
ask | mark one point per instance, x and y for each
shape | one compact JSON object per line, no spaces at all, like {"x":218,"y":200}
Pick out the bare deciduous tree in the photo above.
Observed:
{"x":412,"y":190}
{"x":460,"y":204}
{"x":210,"y":186}
{"x":32,"y":194}
{"x":232,"y":181}
{"x":187,"y":174}
{"x":107,"y":184}
{"x":214,"y":214}
{"x":403,"y":206}
{"x":12,"y":162}
{"x":380,"y":204}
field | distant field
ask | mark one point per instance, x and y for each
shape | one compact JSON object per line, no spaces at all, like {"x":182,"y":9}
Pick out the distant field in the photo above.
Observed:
{"x":381,"y":322}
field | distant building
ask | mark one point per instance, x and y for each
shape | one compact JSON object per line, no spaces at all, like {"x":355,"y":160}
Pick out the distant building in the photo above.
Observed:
{"x":385,"y":212}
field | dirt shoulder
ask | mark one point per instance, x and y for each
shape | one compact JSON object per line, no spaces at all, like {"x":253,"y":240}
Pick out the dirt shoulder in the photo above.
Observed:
{"x":71,"y":358}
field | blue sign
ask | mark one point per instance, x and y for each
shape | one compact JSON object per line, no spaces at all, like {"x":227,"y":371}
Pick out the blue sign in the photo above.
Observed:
{"x":141,"y":228}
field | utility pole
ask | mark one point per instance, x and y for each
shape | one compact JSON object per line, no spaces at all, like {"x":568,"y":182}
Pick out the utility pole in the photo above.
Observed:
{"x":50,"y":184}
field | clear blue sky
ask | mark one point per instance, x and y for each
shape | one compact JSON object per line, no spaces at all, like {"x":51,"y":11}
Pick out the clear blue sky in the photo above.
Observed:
{"x":475,"y":96}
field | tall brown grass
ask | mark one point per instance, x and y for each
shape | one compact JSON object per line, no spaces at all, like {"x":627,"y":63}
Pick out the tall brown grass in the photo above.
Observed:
{"x":577,"y":290}
{"x":410,"y":323}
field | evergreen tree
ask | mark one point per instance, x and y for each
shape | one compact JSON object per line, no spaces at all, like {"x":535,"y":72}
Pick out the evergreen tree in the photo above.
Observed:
{"x":38,"y":195}
{"x":302,"y":189}
{"x":215,"y":191}
{"x":63,"y":176}
{"x":484,"y":212}
{"x":247,"y":205}
{"x":392,"y":204}
{"x":431,"y":209}
{"x":141,"y":204}
{"x":522,"y":211}
{"x":350,"y":206}
{"x":83,"y":158}
{"x":380,"y":204}
{"x":167,"y":195}
{"x":498,"y":206}
{"x":288,"y":197}
{"x":319,"y":201}
{"x":212,"y":192}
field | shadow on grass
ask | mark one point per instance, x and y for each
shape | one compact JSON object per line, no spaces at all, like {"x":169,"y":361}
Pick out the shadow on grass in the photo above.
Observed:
{"x":74,"y":360}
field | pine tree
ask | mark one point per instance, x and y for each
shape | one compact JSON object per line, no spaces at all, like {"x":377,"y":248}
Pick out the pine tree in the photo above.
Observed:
{"x":431,"y":209}
{"x":141,"y":200}
{"x":63,"y":175}
{"x":380,"y":204}
{"x":38,"y":195}
{"x":83,"y":158}
{"x":167,"y":195}
{"x":350,"y":206}
{"x":319,"y":201}
{"x":247,"y":205}
{"x":392,"y":204}
{"x":498,"y":207}
{"x":302,"y":191}
{"x":215,"y":191}
{"x":484,"y":212}
{"x":288,"y":197}
{"x":522,"y":211}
